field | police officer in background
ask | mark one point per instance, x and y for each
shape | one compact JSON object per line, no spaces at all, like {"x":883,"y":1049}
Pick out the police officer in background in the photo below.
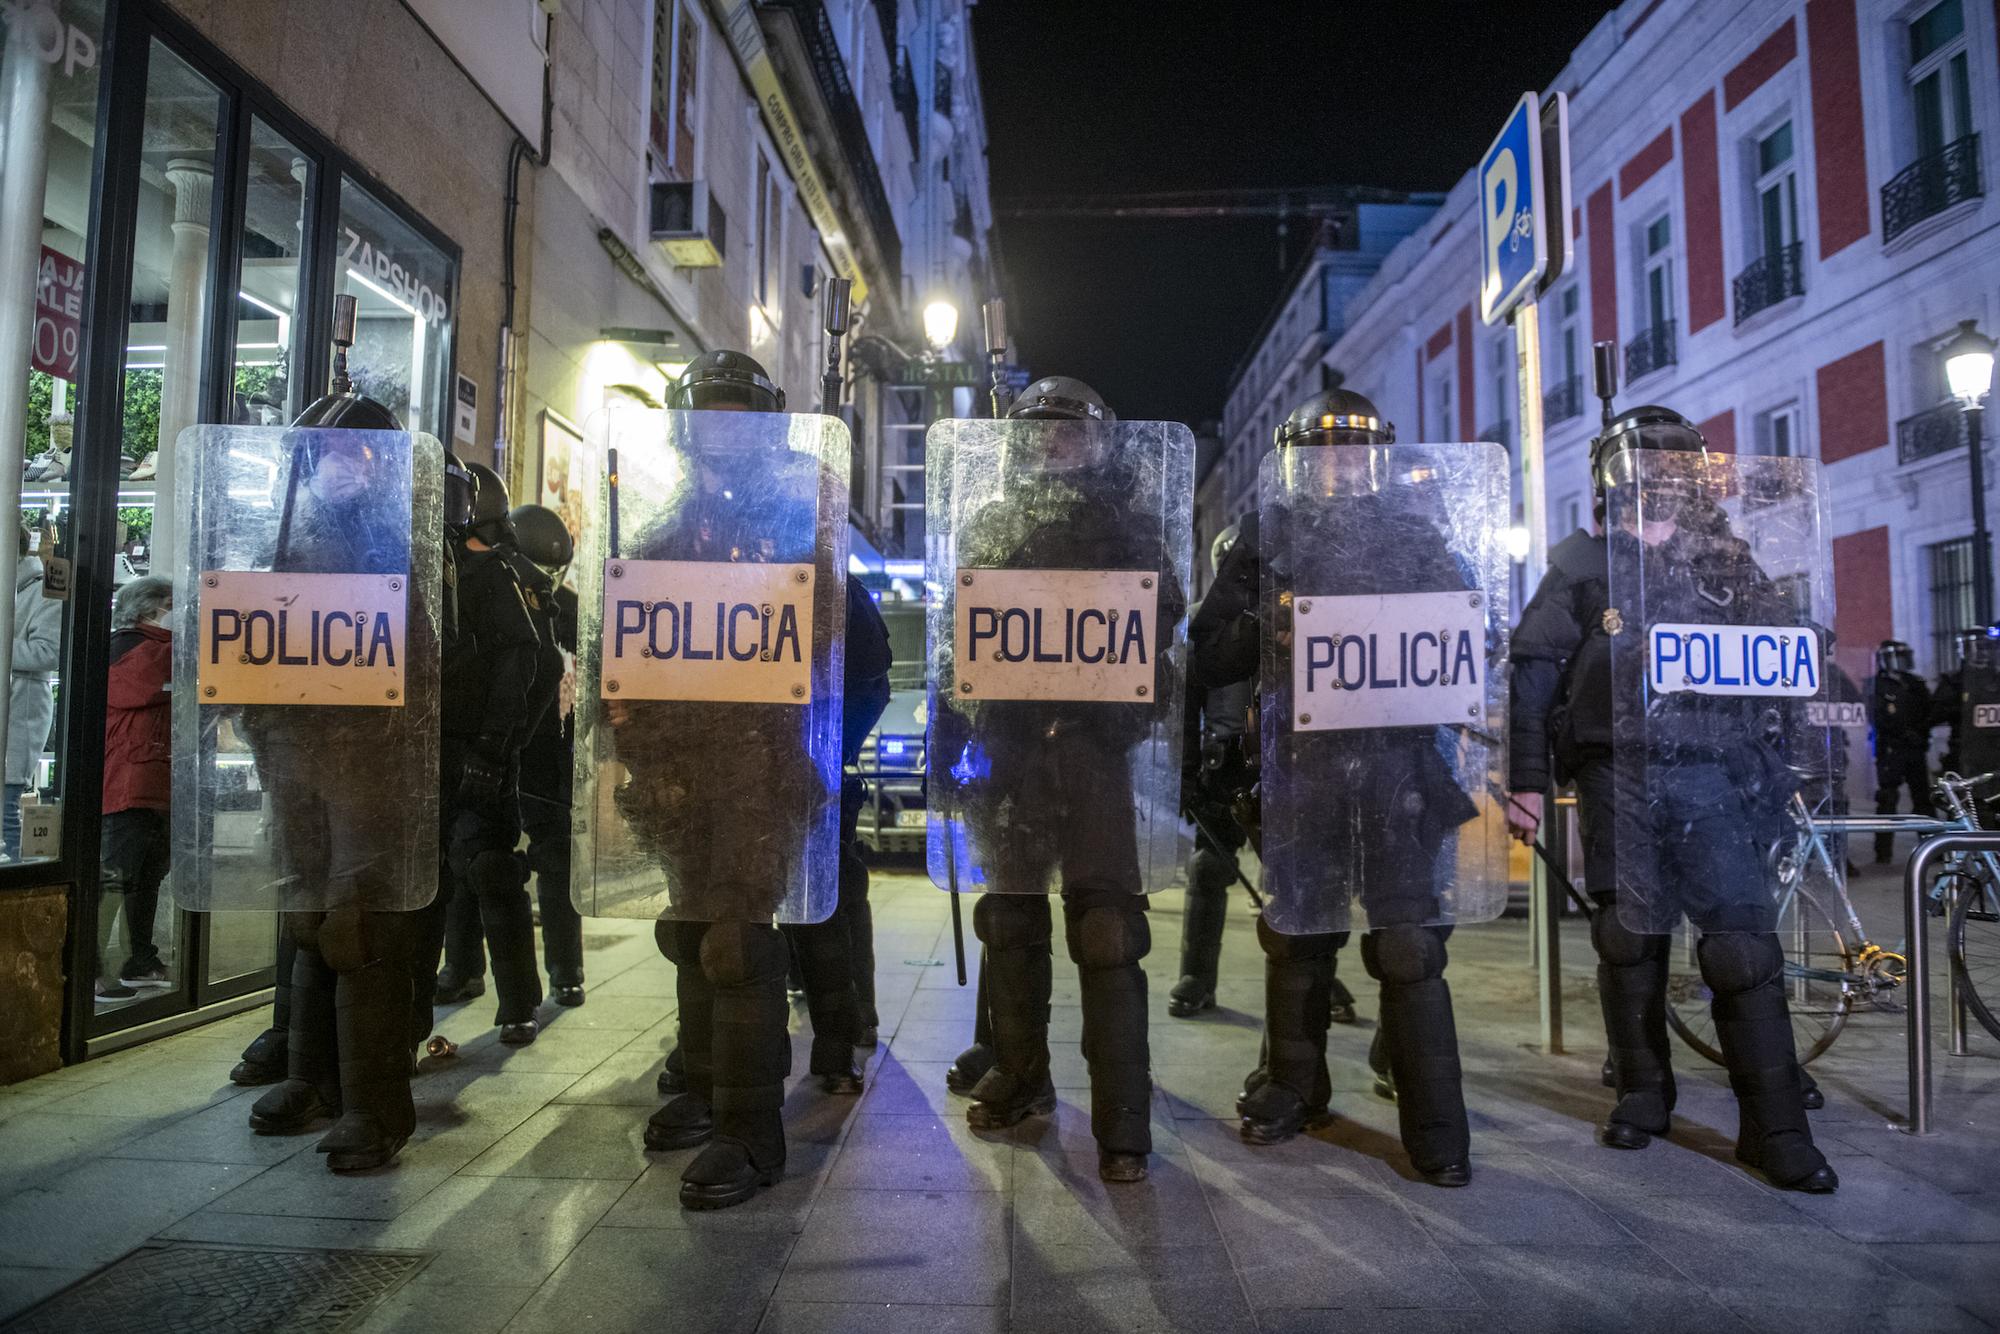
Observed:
{"x":1948,"y":698}
{"x":543,"y":548}
{"x":1900,"y":711}
{"x":865,"y":697}
{"x":488,"y":714}
{"x":1563,"y":708}
{"x":1979,"y":709}
{"x":1385,"y":798}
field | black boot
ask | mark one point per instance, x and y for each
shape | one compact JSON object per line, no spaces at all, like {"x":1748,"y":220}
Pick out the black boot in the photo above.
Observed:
{"x":1754,"y":1026}
{"x":264,"y":1060}
{"x":310,"y":1091}
{"x":673,"y":1075}
{"x":1202,"y":924}
{"x":372,"y":1008}
{"x":1292,"y":1088}
{"x":821,"y":951}
{"x":682,"y":1123}
{"x":1632,"y":993}
{"x":1018,"y":977}
{"x":745,"y":966}
{"x":1420,"y":1040}
{"x":1108,"y":942}
{"x":973,"y":1063}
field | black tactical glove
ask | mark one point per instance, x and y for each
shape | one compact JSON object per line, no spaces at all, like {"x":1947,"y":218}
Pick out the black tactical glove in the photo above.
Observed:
{"x":481,"y":774}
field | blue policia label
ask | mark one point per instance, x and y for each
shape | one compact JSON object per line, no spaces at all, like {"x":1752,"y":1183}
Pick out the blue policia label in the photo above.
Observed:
{"x":1758,"y":660}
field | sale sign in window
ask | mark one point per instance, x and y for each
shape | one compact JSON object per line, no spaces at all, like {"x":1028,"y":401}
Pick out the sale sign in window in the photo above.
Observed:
{"x":58,"y":315}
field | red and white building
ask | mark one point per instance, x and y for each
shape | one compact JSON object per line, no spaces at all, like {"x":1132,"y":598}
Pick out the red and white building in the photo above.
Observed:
{"x":1782,"y":211}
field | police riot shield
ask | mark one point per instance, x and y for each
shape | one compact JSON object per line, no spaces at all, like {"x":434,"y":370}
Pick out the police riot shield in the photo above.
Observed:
{"x":307,"y":597}
{"x":1979,"y":712}
{"x":710,"y":637}
{"x":1839,"y":780}
{"x":1057,"y":557}
{"x":1720,"y":591}
{"x":1383,"y":690}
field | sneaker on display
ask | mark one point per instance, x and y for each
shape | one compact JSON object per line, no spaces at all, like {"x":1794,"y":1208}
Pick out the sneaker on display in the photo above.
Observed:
{"x":148,"y":467}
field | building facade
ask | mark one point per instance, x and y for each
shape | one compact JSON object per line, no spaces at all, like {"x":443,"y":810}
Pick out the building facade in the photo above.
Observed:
{"x":543,"y":209}
{"x":1782,"y":210}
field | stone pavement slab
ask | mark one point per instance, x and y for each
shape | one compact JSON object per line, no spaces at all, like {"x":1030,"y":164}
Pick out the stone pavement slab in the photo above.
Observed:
{"x":528,"y":1185}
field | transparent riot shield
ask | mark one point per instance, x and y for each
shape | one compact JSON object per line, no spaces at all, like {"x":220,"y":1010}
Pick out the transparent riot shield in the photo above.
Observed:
{"x":307,"y":592}
{"x":1383,"y":689}
{"x":1720,"y":588}
{"x":1838,"y":780}
{"x":711,"y":628}
{"x":1057,"y":558}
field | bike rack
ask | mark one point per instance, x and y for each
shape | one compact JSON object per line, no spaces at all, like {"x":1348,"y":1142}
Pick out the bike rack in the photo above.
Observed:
{"x":1916,"y":924}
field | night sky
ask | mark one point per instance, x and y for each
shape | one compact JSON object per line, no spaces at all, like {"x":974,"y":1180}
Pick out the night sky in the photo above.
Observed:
{"x":1092,"y":96}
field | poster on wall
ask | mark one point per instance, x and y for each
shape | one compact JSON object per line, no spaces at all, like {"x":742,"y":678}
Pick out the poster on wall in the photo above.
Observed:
{"x":565,"y":473}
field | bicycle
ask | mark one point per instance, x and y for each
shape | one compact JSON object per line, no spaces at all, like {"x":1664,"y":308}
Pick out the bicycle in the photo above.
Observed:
{"x":1827,"y":969}
{"x":1967,"y":895}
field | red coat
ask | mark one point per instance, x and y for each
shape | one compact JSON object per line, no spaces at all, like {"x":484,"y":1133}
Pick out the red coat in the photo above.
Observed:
{"x":138,"y":726}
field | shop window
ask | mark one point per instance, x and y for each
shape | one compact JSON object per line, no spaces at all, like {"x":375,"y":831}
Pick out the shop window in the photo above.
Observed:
{"x":402,"y":284}
{"x":676,"y":106}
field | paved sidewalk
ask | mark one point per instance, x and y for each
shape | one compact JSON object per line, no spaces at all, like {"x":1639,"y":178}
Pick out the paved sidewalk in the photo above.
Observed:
{"x":532,"y":1206}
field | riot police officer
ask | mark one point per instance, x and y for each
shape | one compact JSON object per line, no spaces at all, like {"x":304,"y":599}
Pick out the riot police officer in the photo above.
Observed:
{"x":1044,"y":786}
{"x":1386,"y":801}
{"x":1979,"y":707}
{"x":699,"y":771}
{"x":1564,"y":708}
{"x":1899,"y":709}
{"x":488,"y":714}
{"x":543,"y":548}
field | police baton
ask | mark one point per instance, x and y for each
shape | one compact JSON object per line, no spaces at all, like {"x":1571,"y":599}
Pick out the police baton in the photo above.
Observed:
{"x":1556,"y":873}
{"x":1222,"y":849}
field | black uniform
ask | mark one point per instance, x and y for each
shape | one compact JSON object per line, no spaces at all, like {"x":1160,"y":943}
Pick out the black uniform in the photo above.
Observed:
{"x":548,"y":772}
{"x":1979,"y":713}
{"x":1708,"y":839}
{"x":488,"y":711}
{"x":1046,"y":790}
{"x":1390,"y":803}
{"x":1215,"y":776}
{"x":1900,"y":711}
{"x":335,"y":829}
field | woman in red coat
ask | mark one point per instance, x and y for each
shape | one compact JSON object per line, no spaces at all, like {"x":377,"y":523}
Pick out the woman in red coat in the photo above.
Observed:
{"x":138,"y":782}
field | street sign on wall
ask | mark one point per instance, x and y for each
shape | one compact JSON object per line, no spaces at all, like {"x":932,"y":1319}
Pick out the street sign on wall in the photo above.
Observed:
{"x":1513,"y":228}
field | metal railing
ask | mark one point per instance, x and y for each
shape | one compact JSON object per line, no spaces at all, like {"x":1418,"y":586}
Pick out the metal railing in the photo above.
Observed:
{"x":903,"y":92}
{"x":1934,"y":431}
{"x":1650,"y":350}
{"x":1564,"y":401}
{"x":1930,"y":185}
{"x":1771,"y":278}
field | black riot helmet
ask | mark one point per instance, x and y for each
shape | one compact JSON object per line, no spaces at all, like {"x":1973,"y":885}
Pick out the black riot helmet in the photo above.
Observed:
{"x":1225,"y":541}
{"x":459,"y":488}
{"x":1060,"y":398}
{"x":1893,"y":655}
{"x":489,"y":507}
{"x":1965,"y":643}
{"x":1983,"y":651}
{"x":541,"y":536}
{"x":726,"y":381}
{"x":1649,"y":427}
{"x":1335,"y":417}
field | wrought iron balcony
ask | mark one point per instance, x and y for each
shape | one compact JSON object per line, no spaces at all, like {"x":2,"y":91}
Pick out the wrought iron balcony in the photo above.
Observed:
{"x":1931,"y":185}
{"x":1775,"y":277}
{"x":903,"y":92}
{"x":1934,"y":431}
{"x":1564,"y":401}
{"x":1650,"y":351}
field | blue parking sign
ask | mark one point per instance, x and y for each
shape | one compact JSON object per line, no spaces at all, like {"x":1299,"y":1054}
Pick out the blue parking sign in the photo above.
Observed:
{"x":1513,"y":247}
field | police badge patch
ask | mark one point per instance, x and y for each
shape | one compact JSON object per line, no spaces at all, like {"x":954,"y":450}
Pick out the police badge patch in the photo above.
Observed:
{"x":1613,"y":622}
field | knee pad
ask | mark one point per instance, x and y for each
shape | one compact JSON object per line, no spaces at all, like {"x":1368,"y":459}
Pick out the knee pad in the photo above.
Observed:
{"x":735,"y":954}
{"x":1733,"y":962}
{"x":1103,"y":937}
{"x":1209,"y":873}
{"x":342,"y":940}
{"x":1403,"y":955}
{"x":677,"y":945}
{"x":1618,"y":944}
{"x":496,"y":872}
{"x":1012,"y":921}
{"x":1281,"y":948}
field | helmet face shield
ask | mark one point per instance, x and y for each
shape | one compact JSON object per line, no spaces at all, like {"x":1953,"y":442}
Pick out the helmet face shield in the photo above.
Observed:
{"x":1895,"y":656}
{"x":458,"y":491}
{"x":726,"y":381}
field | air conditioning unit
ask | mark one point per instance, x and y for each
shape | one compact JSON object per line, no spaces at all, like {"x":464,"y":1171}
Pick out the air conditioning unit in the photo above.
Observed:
{"x":687,"y":225}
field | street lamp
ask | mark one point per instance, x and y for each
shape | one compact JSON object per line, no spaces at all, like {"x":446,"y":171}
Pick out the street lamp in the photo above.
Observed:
{"x":940,"y":324}
{"x":1968,"y":368}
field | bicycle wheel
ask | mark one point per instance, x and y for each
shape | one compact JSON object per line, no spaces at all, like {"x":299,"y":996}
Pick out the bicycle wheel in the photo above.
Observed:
{"x":1973,"y":940}
{"x":1817,"y":966}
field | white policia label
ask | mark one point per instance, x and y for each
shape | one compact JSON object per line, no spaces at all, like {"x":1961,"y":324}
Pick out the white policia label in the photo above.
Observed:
{"x":1986,"y":715}
{"x":1764,"y":660}
{"x":1821,"y":713}
{"x":1082,"y":635}
{"x":301,"y":638}
{"x":707,"y":630}
{"x":1388,"y":660}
